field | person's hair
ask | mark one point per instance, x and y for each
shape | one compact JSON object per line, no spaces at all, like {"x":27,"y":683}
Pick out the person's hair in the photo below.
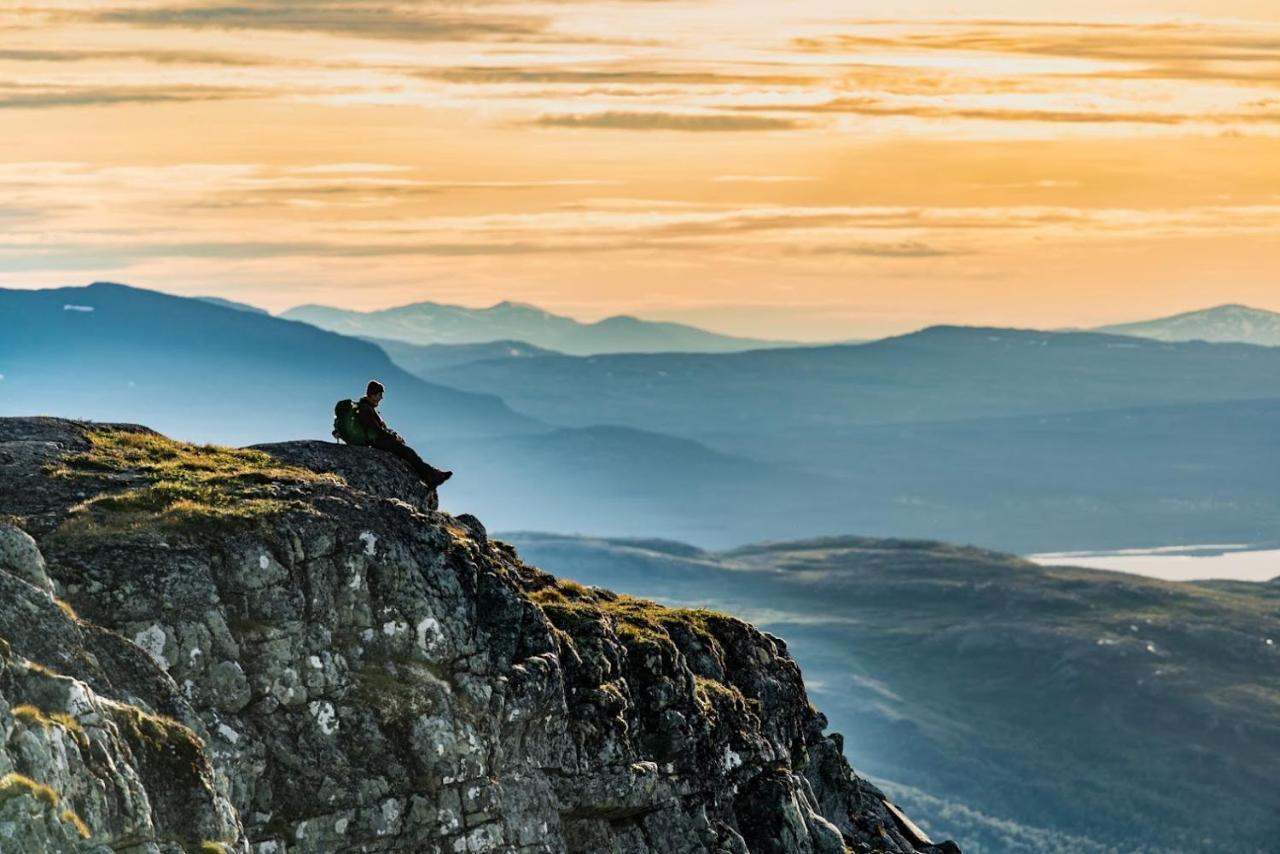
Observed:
{"x":375,"y":387}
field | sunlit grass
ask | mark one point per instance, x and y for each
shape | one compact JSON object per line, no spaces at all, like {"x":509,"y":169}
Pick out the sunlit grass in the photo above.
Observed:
{"x":15,"y":785}
{"x":175,"y":485}
{"x":33,"y":716}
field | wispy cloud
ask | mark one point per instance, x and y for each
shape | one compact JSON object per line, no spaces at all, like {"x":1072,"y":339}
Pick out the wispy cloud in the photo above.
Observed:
{"x":596,"y":76}
{"x":1266,"y":112}
{"x":429,"y":140}
{"x":904,"y":249}
{"x":157,"y":56}
{"x":1173,"y":50}
{"x":665,"y":121}
{"x":761,"y":179}
{"x":376,"y":20}
{"x":13,"y":97}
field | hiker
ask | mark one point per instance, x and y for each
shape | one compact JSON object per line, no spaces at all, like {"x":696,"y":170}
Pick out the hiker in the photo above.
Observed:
{"x":379,"y":435}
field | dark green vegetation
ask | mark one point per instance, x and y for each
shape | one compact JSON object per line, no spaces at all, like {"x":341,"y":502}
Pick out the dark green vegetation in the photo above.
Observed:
{"x":173,"y":485}
{"x":1018,"y":708}
{"x":434,"y":323}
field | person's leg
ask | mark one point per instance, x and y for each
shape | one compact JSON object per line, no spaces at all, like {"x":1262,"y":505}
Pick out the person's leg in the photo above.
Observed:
{"x":429,"y":474}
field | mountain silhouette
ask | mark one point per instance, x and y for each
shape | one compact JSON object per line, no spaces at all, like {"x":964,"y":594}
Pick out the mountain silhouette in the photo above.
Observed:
{"x":434,"y":323}
{"x":1224,"y":323}
{"x":113,"y":352}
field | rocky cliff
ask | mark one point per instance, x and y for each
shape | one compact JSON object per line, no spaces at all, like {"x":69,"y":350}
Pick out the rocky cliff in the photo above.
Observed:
{"x":285,"y":649}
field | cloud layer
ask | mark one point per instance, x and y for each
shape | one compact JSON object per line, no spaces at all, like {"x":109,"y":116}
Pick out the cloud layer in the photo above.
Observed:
{"x":710,"y":150}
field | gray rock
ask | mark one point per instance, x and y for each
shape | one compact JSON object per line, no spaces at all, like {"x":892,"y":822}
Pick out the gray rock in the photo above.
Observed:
{"x":358,"y":672}
{"x":20,"y":556}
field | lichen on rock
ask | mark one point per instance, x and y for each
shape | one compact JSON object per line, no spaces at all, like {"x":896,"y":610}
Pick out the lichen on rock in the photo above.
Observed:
{"x":346,"y":669}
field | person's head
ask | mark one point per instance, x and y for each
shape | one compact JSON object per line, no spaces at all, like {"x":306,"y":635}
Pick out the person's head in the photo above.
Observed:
{"x":374,"y":392}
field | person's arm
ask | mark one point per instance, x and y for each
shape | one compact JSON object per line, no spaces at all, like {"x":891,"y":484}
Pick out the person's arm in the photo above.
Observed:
{"x":373,"y":423}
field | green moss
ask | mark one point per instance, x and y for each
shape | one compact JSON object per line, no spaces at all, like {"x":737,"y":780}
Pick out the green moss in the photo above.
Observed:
{"x":713,"y":695}
{"x":174,"y":485}
{"x":17,"y":785}
{"x":392,"y":690}
{"x":212,"y":846}
{"x":637,"y":621}
{"x":167,"y":745}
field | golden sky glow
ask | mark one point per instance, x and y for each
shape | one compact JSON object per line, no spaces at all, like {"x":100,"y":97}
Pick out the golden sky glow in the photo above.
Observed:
{"x":801,"y":169}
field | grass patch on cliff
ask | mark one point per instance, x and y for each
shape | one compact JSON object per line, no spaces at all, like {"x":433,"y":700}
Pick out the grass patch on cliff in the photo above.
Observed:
{"x":169,"y":746}
{"x":713,"y":695}
{"x":395,"y":690}
{"x":71,"y":817}
{"x":15,"y":785}
{"x":176,"y":485}
{"x":634,"y":620}
{"x":31,"y":715}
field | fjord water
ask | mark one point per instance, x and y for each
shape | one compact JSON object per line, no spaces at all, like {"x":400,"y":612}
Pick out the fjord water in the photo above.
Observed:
{"x":1179,"y":563}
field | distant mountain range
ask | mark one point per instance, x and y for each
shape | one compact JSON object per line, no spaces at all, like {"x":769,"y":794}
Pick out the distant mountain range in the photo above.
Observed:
{"x":996,"y":436}
{"x":239,"y":306}
{"x":937,"y":374}
{"x":1225,"y":323}
{"x":204,"y":371}
{"x":434,"y":323}
{"x":425,"y":358}
{"x":1028,"y":709}
{"x":1031,"y":442}
{"x":209,"y":372}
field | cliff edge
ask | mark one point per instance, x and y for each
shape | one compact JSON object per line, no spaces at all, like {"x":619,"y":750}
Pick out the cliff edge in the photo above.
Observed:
{"x":283,"y":649}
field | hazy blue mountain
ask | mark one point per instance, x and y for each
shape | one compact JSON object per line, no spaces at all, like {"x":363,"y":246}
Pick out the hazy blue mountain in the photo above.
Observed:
{"x":420,"y":359}
{"x":1200,"y":473}
{"x":210,"y":373}
{"x":941,"y":373}
{"x":624,"y":482}
{"x":240,"y":306}
{"x":1006,"y":438}
{"x":1064,"y":481}
{"x":203,"y":371}
{"x":434,"y":323}
{"x":1047,"y":709}
{"x":1224,"y":323}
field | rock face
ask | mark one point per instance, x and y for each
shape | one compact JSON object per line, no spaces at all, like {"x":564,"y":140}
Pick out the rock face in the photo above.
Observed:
{"x":287,"y":650}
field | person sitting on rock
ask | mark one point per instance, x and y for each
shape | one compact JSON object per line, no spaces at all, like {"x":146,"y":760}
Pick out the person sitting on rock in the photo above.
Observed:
{"x":386,"y":439}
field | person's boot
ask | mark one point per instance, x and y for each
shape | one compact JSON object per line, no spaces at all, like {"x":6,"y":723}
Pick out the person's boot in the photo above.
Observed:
{"x":440,"y":477}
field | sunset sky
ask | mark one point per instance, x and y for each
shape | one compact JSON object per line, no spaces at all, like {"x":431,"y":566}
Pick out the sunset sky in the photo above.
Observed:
{"x":787,"y":169}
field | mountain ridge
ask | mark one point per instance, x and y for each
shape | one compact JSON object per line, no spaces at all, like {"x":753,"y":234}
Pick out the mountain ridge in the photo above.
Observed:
{"x":128,"y":350}
{"x":1230,"y":322}
{"x":427,"y":323}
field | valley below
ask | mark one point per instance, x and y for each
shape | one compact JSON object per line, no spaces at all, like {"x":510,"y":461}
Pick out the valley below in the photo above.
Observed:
{"x":1017,"y":708}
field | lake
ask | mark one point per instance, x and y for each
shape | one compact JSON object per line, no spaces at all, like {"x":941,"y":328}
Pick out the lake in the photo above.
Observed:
{"x":1179,"y":563}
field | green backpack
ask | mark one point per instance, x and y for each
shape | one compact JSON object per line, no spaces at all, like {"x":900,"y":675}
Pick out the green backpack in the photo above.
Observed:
{"x":346,"y":426}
